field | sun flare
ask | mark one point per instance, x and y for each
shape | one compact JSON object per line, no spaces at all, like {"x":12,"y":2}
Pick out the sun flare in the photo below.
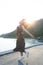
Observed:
{"x":31,"y":22}
{"x":26,"y":23}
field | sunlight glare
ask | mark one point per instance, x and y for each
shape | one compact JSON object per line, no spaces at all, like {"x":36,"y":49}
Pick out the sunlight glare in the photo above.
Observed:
{"x":31,"y":22}
{"x":26,"y":23}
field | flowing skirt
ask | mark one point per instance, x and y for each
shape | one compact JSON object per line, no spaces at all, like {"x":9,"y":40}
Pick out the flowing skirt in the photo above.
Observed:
{"x":20,"y":45}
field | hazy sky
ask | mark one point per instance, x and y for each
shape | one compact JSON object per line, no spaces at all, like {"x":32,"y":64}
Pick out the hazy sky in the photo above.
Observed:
{"x":12,"y":11}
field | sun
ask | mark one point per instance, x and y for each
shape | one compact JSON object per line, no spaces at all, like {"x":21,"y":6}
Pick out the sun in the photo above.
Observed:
{"x":26,"y":23}
{"x":31,"y":22}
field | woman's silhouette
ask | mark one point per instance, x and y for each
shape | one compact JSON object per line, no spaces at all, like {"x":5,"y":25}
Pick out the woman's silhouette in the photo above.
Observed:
{"x":20,"y":43}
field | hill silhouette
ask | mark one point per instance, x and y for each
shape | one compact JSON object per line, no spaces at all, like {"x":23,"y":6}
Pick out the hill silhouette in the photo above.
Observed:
{"x":36,"y":30}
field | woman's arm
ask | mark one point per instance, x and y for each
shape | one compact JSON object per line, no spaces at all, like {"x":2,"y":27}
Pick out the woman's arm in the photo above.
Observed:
{"x":28,"y":32}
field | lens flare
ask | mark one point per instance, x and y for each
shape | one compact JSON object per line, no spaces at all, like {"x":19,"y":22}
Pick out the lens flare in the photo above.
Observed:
{"x":26,"y":23}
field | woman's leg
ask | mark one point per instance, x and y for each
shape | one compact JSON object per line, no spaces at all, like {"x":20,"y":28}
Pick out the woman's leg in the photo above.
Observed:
{"x":21,"y":57}
{"x":27,"y":53}
{"x":21,"y":53}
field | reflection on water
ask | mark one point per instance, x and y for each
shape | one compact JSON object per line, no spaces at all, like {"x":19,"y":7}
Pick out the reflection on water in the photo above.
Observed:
{"x":8,"y":44}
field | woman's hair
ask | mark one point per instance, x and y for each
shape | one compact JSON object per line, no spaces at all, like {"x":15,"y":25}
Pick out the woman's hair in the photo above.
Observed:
{"x":19,"y":30}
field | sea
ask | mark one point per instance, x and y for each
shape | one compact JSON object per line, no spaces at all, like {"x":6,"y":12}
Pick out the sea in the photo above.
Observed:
{"x":8,"y":44}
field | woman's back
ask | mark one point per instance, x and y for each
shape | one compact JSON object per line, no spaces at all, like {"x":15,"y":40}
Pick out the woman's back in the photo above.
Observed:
{"x":19,"y":31}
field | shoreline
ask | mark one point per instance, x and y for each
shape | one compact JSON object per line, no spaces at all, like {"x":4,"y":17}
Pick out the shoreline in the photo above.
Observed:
{"x":11,"y":51}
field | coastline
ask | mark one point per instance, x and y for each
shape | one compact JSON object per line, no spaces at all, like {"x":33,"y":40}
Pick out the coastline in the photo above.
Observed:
{"x":11,"y":51}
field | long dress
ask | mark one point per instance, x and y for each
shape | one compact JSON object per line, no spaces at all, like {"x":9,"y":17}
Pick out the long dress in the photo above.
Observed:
{"x":20,"y":43}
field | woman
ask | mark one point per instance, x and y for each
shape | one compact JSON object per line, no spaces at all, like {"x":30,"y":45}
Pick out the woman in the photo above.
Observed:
{"x":20,"y":44}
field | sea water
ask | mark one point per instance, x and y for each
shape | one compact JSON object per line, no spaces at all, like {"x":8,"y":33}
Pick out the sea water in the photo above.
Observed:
{"x":9,"y":44}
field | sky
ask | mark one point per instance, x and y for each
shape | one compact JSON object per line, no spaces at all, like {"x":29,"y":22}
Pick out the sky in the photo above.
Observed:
{"x":12,"y":11}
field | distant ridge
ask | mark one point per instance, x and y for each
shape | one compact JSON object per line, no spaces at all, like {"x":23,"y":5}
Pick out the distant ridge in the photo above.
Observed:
{"x":36,"y":30}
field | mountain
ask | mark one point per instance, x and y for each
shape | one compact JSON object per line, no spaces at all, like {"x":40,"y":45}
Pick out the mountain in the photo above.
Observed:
{"x":9,"y":35}
{"x":36,"y":30}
